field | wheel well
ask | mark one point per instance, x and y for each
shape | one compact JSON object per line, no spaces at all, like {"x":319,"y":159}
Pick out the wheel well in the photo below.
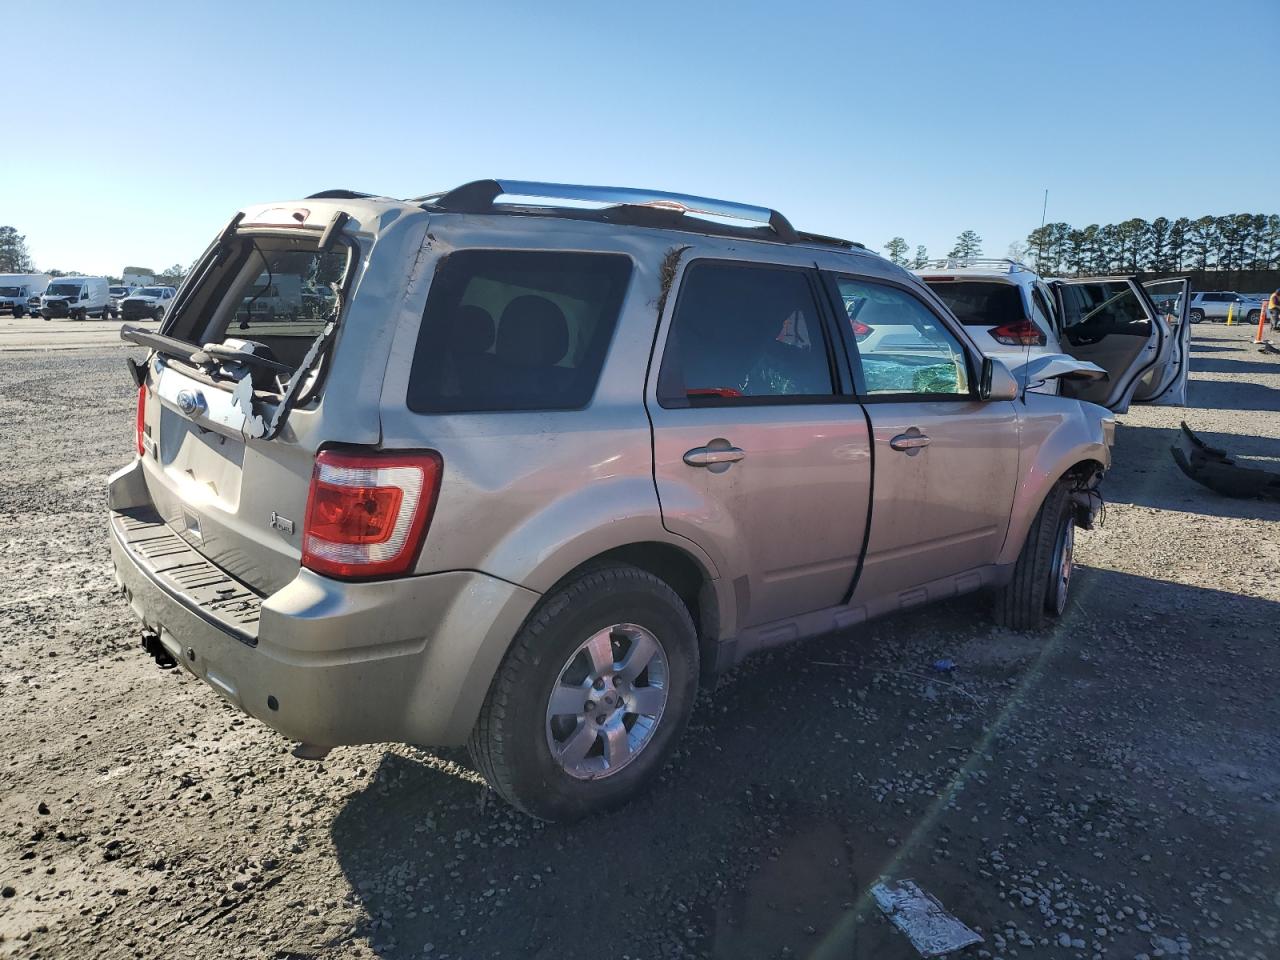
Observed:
{"x":1083,"y":481}
{"x":680,"y":572}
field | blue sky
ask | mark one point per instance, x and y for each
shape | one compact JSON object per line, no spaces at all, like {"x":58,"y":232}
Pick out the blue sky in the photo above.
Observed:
{"x":865,"y":120}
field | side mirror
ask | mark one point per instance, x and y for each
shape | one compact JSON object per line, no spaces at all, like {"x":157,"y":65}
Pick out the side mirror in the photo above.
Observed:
{"x":997,"y":383}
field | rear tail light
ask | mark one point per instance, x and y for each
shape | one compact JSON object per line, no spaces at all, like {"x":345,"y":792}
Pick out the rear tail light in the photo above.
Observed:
{"x":861,"y":330}
{"x":140,"y":425}
{"x":368,"y":513}
{"x":1021,"y":333}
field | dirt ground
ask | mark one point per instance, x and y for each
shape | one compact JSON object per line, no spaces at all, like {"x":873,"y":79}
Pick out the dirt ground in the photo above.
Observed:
{"x":1108,"y":790}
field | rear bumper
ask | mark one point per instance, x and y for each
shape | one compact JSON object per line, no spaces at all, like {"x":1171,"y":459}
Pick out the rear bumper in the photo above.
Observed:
{"x":406,"y":660}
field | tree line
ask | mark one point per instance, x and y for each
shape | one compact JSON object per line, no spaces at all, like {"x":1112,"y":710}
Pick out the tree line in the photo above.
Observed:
{"x":1237,"y":241}
{"x":16,"y":258}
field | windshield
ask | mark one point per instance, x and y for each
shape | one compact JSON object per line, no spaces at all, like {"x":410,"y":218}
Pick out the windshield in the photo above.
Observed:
{"x":149,"y":292}
{"x":980,"y":303}
{"x":119,"y":291}
{"x":64,"y":289}
{"x":10,"y":292}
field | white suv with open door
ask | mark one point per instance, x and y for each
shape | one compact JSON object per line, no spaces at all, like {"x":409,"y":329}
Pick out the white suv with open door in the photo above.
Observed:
{"x":1133,"y":331}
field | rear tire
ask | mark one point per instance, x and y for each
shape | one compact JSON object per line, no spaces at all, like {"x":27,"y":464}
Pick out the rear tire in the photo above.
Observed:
{"x":1038,"y":592}
{"x":1253,"y":316}
{"x":1196,"y":316}
{"x":526,"y":716}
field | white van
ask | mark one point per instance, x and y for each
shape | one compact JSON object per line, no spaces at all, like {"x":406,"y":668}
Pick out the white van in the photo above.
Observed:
{"x":77,"y":298}
{"x":16,"y":289}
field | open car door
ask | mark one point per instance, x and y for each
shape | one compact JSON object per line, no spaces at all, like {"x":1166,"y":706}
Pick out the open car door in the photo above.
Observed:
{"x":1112,"y":322}
{"x":1166,"y":383}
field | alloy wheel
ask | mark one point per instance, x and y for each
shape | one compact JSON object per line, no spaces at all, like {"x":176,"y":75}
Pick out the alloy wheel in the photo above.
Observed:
{"x":1063,"y":560}
{"x":607,"y":701}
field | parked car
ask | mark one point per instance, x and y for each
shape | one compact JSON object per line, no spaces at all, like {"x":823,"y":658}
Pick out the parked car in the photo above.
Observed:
{"x":1215,"y":305}
{"x":1014,"y":315}
{"x":18,"y":289}
{"x":554,"y":465}
{"x":118,"y":292}
{"x":149,"y":303}
{"x":272,"y":296}
{"x":76,"y":297}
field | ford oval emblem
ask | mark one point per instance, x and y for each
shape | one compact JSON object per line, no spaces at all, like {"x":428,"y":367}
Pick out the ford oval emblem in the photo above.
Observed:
{"x":191,"y":403}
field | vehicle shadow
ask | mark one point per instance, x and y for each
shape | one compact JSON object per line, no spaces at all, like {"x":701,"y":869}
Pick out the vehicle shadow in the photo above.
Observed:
{"x":1232,"y":395}
{"x":766,"y":831}
{"x":1225,"y":365}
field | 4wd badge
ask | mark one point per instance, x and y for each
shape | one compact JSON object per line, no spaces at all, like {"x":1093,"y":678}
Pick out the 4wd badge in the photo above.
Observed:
{"x":283,"y":524}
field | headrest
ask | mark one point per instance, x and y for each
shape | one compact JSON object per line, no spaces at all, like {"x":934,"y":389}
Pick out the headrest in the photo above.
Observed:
{"x":533,"y":332}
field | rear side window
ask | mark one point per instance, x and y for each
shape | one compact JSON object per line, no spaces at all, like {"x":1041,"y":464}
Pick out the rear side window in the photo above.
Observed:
{"x":980,"y":303}
{"x":516,"y":330}
{"x":742,"y":331}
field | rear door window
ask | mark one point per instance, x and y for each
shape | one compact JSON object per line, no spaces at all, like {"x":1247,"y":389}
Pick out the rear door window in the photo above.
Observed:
{"x":516,"y":330}
{"x":1093,"y":310}
{"x":744,"y":333}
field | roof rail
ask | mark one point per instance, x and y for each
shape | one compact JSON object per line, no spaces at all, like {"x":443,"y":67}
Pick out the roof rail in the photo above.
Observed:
{"x":958,"y":263}
{"x":479,"y":196}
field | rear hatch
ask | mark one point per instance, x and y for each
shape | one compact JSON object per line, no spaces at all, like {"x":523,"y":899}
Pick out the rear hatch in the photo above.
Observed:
{"x":230,"y":403}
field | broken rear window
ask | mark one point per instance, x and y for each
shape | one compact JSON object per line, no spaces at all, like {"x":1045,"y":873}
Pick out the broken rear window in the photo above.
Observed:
{"x":262,"y":292}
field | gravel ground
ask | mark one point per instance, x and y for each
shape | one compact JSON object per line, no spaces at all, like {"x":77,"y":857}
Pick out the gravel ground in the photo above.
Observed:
{"x":1109,"y":790}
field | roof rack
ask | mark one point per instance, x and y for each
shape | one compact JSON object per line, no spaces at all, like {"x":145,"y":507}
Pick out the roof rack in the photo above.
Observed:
{"x":1005,"y":264}
{"x":480,"y":196}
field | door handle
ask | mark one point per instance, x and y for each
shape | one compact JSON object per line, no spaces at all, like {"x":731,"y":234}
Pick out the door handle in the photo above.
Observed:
{"x":909,"y":442}
{"x":713,"y":456}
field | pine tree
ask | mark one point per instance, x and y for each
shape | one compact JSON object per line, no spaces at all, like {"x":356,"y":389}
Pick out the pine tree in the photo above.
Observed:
{"x":896,"y":250}
{"x":921,"y":259}
{"x":1179,"y":237}
{"x":968,"y":245}
{"x":1156,"y":256}
{"x":14,"y":257}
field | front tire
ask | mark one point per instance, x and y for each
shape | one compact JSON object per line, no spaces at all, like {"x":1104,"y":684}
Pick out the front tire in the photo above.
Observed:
{"x":590,"y":700}
{"x":1039,"y":590}
{"x":1253,"y":317}
{"x":19,"y":312}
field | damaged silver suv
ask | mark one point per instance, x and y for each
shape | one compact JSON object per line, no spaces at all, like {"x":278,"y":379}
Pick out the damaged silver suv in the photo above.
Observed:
{"x":542,"y":458}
